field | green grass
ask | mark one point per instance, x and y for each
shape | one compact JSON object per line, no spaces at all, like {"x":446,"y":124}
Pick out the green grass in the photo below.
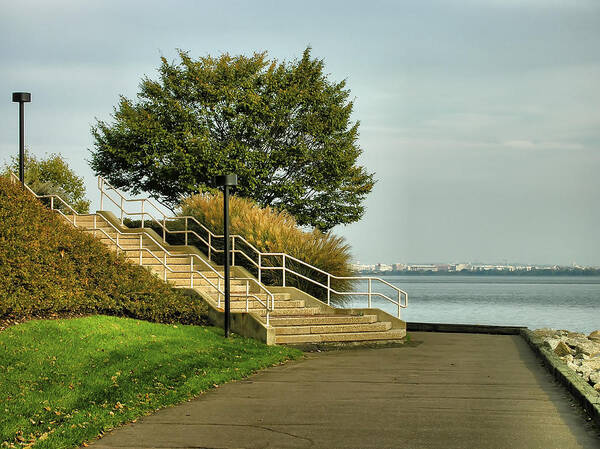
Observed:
{"x":63,"y":382}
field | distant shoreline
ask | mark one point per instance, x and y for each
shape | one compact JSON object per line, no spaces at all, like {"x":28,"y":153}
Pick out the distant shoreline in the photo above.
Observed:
{"x":549,"y":273}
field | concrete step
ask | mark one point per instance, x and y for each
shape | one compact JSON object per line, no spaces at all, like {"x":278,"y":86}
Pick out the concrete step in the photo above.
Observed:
{"x":395,"y":334}
{"x":151,"y":260}
{"x":237,"y":303}
{"x":286,"y":311}
{"x":334,"y":328}
{"x":205,"y":287}
{"x":324,"y":320}
{"x":181,"y":274}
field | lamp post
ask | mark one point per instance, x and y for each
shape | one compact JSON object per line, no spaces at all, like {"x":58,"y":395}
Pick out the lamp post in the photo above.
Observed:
{"x":21,"y":98}
{"x":226,"y":181}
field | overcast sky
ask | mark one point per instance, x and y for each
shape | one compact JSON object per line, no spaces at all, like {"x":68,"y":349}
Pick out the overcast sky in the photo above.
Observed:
{"x":480,"y":118}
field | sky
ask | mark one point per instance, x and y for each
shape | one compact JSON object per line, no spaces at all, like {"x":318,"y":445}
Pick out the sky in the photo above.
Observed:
{"x":479,"y":118}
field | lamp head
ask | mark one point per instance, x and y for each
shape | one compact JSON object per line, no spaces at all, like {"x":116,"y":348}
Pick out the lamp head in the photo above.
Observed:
{"x":21,"y":97}
{"x":226,"y":180}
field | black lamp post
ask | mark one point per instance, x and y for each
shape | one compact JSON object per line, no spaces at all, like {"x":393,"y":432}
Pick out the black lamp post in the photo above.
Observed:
{"x":21,"y":98}
{"x":226,"y":181}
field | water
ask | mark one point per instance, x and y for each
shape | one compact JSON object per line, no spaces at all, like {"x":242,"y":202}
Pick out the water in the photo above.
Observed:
{"x":565,"y":302}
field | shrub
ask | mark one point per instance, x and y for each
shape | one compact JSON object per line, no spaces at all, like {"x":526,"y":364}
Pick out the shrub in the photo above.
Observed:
{"x":48,"y":267}
{"x":275,"y":231}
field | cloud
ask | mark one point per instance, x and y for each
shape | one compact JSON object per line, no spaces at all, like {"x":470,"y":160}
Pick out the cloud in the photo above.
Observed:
{"x":532,"y":145}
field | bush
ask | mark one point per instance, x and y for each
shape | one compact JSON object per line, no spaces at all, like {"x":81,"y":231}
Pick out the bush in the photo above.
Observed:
{"x":48,"y":267}
{"x":275,"y":231}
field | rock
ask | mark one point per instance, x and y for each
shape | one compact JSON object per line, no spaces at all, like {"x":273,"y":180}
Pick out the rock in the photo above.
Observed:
{"x":568,"y":358}
{"x":593,"y":365}
{"x":595,"y":377}
{"x":562,"y":349}
{"x":551,"y":342}
{"x":595,"y":336}
{"x":545,"y":333}
{"x":597,"y":388}
{"x":583,"y":345}
{"x":588,"y":368}
{"x":572,"y":366}
{"x":584,"y":374}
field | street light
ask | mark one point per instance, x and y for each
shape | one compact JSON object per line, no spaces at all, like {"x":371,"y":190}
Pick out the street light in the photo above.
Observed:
{"x":21,"y":98}
{"x":226,"y":181}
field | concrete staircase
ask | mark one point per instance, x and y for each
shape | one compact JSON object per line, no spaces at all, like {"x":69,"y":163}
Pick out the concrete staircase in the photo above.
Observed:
{"x":297,"y":318}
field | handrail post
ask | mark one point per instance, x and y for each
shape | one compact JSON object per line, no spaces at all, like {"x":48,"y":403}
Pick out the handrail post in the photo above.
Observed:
{"x":399,"y":305}
{"x":260,"y":267}
{"x":121,"y":211}
{"x":370,"y":293}
{"x":233,"y":250}
{"x":165,"y":228}
{"x":209,"y":245}
{"x":101,"y":186}
{"x":95,"y":225}
{"x":143,"y":199}
{"x":165,"y":263}
{"x":328,"y":289}
{"x":247,"y":293}
{"x":191,"y":272}
{"x":186,"y":231}
{"x":51,"y":203}
{"x":283,"y":269}
{"x":141,"y":261}
{"x":219,"y":293}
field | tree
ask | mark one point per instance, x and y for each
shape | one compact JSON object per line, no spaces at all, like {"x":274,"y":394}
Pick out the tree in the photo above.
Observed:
{"x":283,"y":127}
{"x":52,"y":176}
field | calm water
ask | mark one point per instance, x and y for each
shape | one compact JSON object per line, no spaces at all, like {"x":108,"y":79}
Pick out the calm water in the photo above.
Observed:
{"x":534,"y":301}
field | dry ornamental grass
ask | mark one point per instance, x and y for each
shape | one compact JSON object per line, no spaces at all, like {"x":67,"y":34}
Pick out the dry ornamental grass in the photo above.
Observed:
{"x":271,"y":230}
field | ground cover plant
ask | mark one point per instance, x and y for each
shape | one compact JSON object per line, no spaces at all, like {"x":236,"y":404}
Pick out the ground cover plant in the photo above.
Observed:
{"x":63,"y":382}
{"x":48,"y":267}
{"x":271,"y":230}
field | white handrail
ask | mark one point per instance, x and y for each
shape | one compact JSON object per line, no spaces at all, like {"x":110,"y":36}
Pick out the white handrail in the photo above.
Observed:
{"x":269,"y":296}
{"x":105,"y":187}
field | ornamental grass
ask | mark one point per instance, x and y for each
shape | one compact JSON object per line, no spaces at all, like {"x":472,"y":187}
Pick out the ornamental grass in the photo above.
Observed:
{"x":274,"y":231}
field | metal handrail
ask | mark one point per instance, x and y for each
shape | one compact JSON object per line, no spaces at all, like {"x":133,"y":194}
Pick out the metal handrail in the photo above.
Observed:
{"x":104,"y":187}
{"x":163,"y":262}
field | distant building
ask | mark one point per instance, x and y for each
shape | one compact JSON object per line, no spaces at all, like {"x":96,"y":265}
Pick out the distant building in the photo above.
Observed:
{"x":383,"y":267}
{"x":422,"y":268}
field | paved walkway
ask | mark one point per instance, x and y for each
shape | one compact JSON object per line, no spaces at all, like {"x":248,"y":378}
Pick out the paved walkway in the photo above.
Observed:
{"x":440,"y":391}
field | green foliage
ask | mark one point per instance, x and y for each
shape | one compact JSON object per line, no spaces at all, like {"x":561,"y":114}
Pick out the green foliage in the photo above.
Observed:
{"x":283,"y":127}
{"x":270,"y":230}
{"x":63,"y":382}
{"x":52,"y":176}
{"x":49,"y":267}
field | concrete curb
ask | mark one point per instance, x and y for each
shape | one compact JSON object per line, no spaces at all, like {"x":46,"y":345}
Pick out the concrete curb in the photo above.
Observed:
{"x":464,"y":328}
{"x":583,"y":392}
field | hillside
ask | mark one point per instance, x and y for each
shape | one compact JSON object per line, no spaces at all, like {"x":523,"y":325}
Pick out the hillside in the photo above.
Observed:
{"x":49,"y":268}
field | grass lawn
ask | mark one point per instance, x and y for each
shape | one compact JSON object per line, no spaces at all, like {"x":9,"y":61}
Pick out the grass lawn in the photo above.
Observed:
{"x":63,"y":382}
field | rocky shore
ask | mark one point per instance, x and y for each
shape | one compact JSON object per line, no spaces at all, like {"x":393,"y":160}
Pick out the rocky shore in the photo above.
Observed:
{"x":580,"y":352}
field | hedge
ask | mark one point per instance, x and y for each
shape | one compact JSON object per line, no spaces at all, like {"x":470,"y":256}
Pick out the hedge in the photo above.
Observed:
{"x":48,"y":267}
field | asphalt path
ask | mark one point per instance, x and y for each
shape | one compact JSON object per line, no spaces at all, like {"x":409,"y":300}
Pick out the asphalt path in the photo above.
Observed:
{"x":441,"y":390}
